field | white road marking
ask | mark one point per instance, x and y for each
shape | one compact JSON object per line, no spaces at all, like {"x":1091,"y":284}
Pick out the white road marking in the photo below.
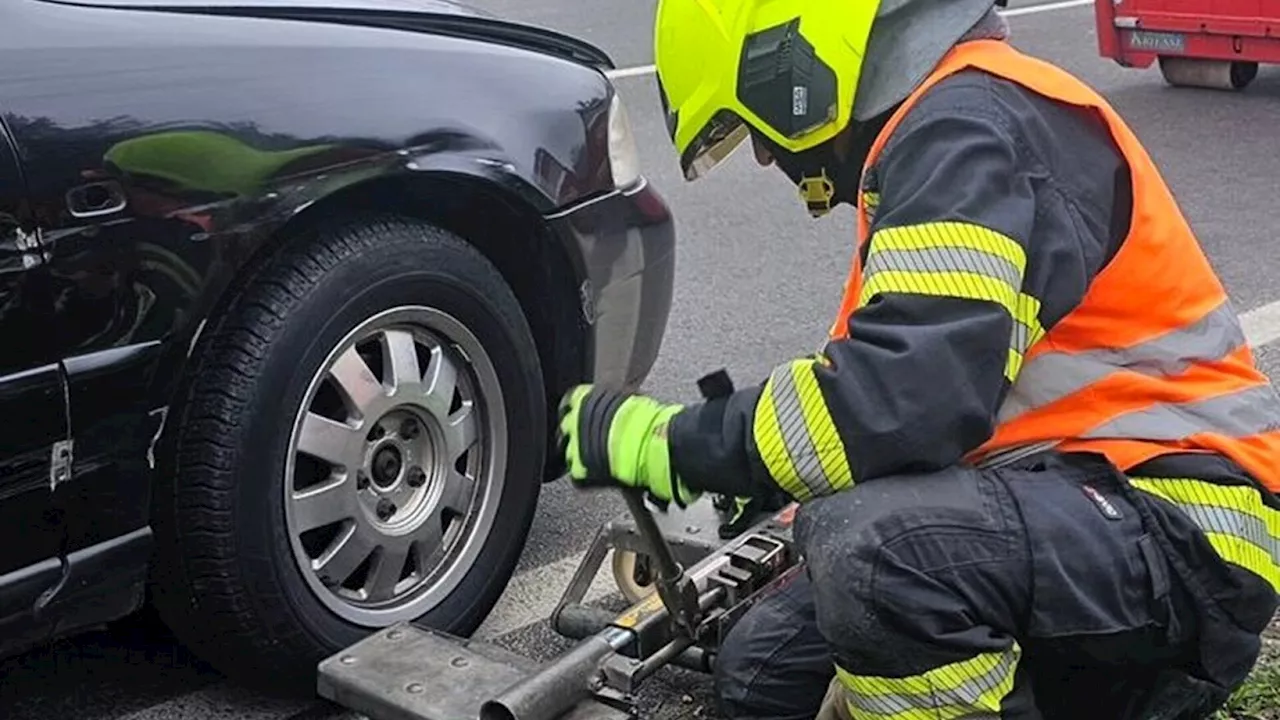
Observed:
{"x":1044,"y":7}
{"x":626,"y":72}
{"x":639,"y":70}
{"x":1262,"y":324}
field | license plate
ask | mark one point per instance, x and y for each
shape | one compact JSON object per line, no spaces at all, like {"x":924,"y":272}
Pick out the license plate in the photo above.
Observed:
{"x":1157,"y":41}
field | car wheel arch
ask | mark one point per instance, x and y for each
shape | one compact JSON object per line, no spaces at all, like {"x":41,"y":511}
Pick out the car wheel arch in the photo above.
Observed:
{"x":504,"y":233}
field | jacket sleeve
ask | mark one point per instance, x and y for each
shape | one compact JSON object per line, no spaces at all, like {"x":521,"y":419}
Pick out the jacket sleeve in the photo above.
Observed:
{"x":953,"y":294}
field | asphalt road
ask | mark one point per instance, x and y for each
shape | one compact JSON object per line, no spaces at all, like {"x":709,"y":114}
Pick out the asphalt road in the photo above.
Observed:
{"x":754,"y":271}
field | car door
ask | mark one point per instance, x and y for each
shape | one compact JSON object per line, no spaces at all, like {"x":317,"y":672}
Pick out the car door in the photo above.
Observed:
{"x":124,"y":275}
{"x":33,"y":401}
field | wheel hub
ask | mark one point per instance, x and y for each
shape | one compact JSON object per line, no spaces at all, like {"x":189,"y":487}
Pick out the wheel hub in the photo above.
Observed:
{"x":387,"y":466}
{"x":399,"y":465}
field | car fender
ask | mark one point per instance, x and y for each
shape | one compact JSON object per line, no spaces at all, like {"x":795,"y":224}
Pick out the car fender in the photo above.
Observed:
{"x":292,"y":204}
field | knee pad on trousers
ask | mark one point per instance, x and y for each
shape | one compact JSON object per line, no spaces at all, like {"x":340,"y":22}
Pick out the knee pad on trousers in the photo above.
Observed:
{"x":734,"y":666}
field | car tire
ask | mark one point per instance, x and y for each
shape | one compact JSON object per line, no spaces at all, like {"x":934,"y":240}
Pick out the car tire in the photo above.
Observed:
{"x":235,"y":574}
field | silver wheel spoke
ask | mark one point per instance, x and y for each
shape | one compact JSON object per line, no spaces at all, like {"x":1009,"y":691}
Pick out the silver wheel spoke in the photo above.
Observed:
{"x":386,"y":571}
{"x":324,"y":505}
{"x":461,"y":431}
{"x":458,"y":489}
{"x":329,"y":440}
{"x":441,"y":381}
{"x":401,"y":360}
{"x":345,"y":555}
{"x":356,"y":380}
{"x":429,"y":545}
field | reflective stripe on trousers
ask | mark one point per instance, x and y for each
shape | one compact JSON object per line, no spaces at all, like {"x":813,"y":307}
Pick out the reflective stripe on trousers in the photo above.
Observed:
{"x":971,"y":688}
{"x":1238,"y":524}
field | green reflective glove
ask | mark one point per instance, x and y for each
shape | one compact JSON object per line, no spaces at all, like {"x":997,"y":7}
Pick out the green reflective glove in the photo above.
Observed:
{"x":620,"y":439}
{"x":740,"y":513}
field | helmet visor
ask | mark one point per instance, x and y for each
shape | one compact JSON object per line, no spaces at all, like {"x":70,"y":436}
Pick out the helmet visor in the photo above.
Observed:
{"x":717,"y":140}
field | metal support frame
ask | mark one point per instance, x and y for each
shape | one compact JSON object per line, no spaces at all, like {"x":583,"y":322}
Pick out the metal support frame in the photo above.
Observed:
{"x":691,"y":533}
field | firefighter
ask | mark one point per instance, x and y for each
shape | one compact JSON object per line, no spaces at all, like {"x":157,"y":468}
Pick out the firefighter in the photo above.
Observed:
{"x":1035,"y":460}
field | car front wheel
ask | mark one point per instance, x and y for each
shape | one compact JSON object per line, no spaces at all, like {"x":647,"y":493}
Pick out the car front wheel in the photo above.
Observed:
{"x":360,"y":444}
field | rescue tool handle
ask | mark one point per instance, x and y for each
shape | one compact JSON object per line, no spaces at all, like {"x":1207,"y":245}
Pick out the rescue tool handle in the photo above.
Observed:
{"x":677,"y":591}
{"x":577,"y":675}
{"x":668,"y":568}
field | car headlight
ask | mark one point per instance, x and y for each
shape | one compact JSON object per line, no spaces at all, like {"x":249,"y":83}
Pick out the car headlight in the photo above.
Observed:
{"x":624,"y":161}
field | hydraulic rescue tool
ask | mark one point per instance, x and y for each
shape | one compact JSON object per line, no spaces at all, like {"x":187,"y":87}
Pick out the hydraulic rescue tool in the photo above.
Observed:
{"x":687,"y":585}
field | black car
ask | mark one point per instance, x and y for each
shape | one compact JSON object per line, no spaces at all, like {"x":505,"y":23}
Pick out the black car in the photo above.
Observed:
{"x":288,"y":290}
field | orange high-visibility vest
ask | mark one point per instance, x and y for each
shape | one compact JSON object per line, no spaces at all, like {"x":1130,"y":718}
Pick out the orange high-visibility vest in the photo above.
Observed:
{"x":1153,"y":360}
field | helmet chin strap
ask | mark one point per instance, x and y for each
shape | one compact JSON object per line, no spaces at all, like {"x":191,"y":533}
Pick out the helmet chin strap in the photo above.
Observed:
{"x":831,"y":173}
{"x":817,"y":192}
{"x":820,"y":177}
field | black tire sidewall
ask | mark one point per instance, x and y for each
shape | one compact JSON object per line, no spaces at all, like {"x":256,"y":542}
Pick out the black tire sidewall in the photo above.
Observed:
{"x":444,"y":274}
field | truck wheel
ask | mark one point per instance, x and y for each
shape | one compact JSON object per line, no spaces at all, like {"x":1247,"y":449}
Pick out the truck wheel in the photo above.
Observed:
{"x":360,"y":444}
{"x":1211,"y":74}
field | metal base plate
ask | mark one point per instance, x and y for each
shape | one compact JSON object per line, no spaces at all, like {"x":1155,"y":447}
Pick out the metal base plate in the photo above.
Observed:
{"x":411,"y":673}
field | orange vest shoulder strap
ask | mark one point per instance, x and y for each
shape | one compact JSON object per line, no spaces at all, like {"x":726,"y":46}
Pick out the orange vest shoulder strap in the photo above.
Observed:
{"x":957,"y":59}
{"x":1001,"y":59}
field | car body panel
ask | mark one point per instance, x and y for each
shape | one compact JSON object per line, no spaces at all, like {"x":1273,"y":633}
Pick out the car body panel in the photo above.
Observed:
{"x":435,"y":16}
{"x":33,"y":405}
{"x":32,"y":392}
{"x":158,"y":152}
{"x":627,"y":240}
{"x":112,"y":424}
{"x":30,"y":527}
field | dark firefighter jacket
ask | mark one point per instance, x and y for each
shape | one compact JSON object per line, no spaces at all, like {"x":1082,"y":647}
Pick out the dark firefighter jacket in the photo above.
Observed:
{"x":917,"y":379}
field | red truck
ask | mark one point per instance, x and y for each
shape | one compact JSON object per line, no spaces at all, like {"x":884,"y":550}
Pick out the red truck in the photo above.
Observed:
{"x":1200,"y":43}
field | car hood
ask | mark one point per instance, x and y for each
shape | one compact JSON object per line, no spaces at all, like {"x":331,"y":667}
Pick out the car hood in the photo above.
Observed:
{"x":442,"y":17}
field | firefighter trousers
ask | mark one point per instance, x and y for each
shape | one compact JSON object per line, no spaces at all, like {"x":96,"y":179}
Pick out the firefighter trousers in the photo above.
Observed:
{"x":1047,"y":590}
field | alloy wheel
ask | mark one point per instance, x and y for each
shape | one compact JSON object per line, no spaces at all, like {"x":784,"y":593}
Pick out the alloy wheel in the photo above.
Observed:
{"x":396,"y":464}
